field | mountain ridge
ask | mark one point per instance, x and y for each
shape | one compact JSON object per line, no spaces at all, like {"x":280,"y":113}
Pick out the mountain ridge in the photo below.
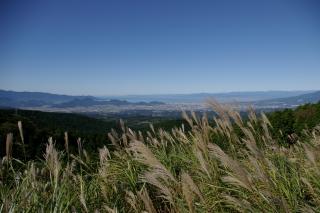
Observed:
{"x":313,"y":97}
{"x":39,"y":99}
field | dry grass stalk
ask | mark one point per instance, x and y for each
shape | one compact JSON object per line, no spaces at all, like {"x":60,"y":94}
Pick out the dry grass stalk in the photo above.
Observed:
{"x":189,"y":187}
{"x":79,"y":146}
{"x":188,"y":195}
{"x":252,"y":115}
{"x":187,"y":118}
{"x":110,"y":210}
{"x":310,"y":154}
{"x":124,"y":140}
{"x":104,"y":155}
{"x":241,"y":175}
{"x":221,"y":110}
{"x":159,"y":176}
{"x":267,"y":134}
{"x":152,"y":128}
{"x":21,"y":131}
{"x":66,"y":142}
{"x":144,"y":196}
{"x":140,"y":136}
{"x":181,"y":136}
{"x":265,"y":119}
{"x":9,"y":143}
{"x":240,"y":205}
{"x":52,"y":159}
{"x":131,"y":200}
{"x":160,"y":179}
{"x":82,"y":194}
{"x":145,"y":155}
{"x":122,"y":125}
{"x":114,"y":140}
{"x":31,"y":173}
{"x":195,"y":118}
{"x":236,"y":117}
{"x":22,"y":138}
{"x":202,"y":161}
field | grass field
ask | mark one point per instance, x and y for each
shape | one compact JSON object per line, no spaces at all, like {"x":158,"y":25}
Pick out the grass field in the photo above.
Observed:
{"x":222,"y":165}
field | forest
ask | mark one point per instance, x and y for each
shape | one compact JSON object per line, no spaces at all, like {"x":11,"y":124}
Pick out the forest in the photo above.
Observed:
{"x":39,"y":126}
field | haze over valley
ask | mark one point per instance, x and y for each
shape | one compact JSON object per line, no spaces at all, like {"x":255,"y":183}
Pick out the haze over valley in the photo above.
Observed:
{"x":154,"y":105}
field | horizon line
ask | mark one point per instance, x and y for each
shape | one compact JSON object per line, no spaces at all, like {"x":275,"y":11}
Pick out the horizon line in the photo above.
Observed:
{"x":163,"y":94}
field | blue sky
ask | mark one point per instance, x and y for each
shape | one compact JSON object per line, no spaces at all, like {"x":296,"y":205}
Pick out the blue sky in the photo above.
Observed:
{"x":116,"y":47}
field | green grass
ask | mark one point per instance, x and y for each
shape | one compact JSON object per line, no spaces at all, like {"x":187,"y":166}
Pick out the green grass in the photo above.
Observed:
{"x":225,"y":165}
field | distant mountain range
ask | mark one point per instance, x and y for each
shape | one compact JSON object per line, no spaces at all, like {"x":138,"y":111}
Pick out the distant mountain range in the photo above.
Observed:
{"x":33,"y":99}
{"x":12,"y":99}
{"x":313,"y":97}
{"x":281,"y":99}
{"x":202,"y":97}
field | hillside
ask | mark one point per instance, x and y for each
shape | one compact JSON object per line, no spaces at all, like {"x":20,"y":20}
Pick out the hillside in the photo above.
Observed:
{"x":216,"y":166}
{"x":38,"y":126}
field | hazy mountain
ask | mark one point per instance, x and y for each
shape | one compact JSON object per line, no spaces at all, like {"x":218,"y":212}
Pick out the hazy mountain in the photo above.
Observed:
{"x":39,"y":99}
{"x":313,"y":97}
{"x":33,"y":99}
{"x":202,"y":97}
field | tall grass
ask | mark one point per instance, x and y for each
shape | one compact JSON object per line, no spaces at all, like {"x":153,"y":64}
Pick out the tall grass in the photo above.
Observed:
{"x":232,"y":165}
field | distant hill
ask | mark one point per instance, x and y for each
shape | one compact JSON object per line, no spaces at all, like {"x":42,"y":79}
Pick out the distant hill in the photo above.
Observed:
{"x":202,"y":97}
{"x":11,"y":99}
{"x":33,"y":99}
{"x":313,"y":97}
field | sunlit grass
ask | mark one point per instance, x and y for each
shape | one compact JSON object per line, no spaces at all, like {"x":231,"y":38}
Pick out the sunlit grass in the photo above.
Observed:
{"x":211,"y":168}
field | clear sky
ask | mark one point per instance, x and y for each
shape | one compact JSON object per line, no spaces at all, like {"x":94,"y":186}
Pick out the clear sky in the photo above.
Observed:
{"x":159,"y":46}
